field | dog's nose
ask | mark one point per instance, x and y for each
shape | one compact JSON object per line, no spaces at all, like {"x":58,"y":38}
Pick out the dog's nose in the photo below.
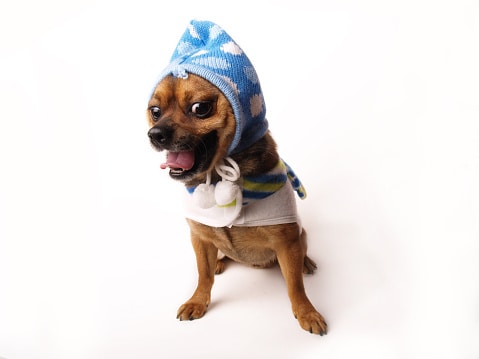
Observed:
{"x":156,"y":134}
{"x":161,"y":136}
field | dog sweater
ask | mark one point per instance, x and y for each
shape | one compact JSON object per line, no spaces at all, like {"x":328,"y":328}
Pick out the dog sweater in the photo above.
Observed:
{"x":254,"y":201}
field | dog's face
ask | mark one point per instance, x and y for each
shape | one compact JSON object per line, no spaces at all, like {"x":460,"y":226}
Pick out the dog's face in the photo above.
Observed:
{"x":192,"y":120}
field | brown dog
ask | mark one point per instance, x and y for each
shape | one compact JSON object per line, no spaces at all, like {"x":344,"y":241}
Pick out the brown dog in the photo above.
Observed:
{"x":195,"y":123}
{"x":175,"y":129}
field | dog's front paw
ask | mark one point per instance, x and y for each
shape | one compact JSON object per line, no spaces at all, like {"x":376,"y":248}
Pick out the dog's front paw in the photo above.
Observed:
{"x":191,"y":310}
{"x":312,"y":322}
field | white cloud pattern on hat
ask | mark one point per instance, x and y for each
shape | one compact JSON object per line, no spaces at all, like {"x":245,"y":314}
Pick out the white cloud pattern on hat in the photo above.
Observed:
{"x":231,"y":48}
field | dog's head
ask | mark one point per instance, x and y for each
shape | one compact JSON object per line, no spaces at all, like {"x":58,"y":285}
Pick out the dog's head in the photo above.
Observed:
{"x":192,"y":120}
{"x":208,"y":103}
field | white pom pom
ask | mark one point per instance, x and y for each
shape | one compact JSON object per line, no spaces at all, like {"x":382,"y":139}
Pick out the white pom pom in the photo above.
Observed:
{"x":225,"y":193}
{"x":204,"y":196}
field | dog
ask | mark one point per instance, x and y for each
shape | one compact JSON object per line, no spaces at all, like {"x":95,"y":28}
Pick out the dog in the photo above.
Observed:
{"x":195,"y":116}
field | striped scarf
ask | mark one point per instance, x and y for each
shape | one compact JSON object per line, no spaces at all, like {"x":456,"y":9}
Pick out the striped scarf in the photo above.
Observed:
{"x":262,"y":186}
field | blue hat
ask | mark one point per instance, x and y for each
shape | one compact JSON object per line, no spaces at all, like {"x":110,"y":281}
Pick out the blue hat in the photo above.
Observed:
{"x":208,"y":51}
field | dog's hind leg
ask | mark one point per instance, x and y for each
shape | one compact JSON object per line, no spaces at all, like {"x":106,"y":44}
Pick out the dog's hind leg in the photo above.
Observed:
{"x":220,"y":262}
{"x":309,"y":265}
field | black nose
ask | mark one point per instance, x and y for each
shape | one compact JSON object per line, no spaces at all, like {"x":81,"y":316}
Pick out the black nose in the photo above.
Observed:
{"x":160,"y":136}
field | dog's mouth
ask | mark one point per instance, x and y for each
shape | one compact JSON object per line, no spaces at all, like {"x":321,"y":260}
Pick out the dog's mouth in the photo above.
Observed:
{"x":178,"y":162}
{"x":184,"y":164}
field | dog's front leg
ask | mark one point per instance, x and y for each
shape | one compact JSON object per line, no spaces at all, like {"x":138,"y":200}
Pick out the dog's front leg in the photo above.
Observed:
{"x":206,"y":254}
{"x":291,"y":261}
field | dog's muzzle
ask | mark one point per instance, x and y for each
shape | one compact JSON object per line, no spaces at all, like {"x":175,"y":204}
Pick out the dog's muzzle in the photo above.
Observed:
{"x":161,"y":137}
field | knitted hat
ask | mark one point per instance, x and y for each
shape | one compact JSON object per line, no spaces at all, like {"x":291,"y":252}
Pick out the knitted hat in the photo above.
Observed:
{"x":208,"y":51}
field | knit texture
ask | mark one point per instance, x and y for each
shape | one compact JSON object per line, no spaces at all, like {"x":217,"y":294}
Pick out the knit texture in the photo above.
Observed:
{"x":264,"y":185}
{"x":206,"y":50}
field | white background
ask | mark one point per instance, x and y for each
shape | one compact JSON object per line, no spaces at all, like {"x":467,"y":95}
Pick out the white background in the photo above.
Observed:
{"x":374,"y":104}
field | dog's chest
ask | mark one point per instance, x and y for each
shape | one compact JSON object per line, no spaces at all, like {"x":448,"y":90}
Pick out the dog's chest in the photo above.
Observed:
{"x":243,"y":244}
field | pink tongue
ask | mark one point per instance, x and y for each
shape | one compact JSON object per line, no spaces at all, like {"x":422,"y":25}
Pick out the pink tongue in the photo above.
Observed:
{"x":184,"y":160}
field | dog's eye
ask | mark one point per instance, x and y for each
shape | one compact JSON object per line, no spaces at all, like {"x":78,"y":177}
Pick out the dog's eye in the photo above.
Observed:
{"x":155,"y":113}
{"x":202,"y":109}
